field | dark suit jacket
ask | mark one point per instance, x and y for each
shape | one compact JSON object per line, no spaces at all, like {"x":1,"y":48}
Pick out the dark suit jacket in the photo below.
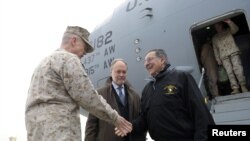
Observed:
{"x":98,"y":130}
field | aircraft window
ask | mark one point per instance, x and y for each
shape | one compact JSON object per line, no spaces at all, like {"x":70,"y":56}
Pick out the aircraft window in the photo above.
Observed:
{"x":137,"y":41}
{"x":139,"y":58}
{"x":202,"y":35}
{"x":137,"y":50}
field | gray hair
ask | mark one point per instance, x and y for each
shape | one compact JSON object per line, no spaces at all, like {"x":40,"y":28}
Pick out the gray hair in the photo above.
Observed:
{"x":116,"y":60}
{"x":67,"y":36}
{"x":160,"y":53}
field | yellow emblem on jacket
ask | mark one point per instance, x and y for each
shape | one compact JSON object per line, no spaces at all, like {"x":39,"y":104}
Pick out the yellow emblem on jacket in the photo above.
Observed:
{"x":170,"y":89}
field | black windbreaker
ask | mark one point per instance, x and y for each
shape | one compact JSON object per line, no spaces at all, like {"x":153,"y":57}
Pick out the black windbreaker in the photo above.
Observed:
{"x":172,"y":108}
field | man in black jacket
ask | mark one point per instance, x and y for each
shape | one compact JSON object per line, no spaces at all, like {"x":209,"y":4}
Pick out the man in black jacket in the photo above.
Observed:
{"x":172,"y":106}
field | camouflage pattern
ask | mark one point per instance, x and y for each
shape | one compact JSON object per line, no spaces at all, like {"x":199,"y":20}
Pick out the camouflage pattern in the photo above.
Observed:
{"x":227,"y":52}
{"x":234,"y":63}
{"x":58,"y":87}
{"x":223,"y":43}
{"x":83,"y":34}
{"x":211,"y":68}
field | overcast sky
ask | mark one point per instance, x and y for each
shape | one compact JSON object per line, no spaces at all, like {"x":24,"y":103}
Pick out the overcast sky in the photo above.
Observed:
{"x":30,"y":30}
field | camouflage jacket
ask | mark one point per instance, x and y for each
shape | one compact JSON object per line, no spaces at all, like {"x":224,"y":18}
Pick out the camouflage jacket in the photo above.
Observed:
{"x":59,"y":86}
{"x":224,"y":44}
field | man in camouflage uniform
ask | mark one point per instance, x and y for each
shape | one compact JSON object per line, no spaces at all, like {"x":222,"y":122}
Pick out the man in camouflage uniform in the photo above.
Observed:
{"x":58,"y":88}
{"x":211,"y":68}
{"x":227,"y":53}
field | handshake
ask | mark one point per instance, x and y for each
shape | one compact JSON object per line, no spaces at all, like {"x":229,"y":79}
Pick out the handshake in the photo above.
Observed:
{"x":122,"y":127}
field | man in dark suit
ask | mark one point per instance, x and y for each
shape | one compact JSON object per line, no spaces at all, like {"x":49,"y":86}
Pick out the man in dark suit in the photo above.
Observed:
{"x":123,"y":98}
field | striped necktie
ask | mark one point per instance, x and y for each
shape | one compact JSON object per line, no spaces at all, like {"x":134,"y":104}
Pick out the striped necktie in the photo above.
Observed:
{"x":121,"y":95}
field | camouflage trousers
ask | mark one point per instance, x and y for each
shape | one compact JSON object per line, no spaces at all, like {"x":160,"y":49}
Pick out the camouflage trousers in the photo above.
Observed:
{"x":234,"y":70}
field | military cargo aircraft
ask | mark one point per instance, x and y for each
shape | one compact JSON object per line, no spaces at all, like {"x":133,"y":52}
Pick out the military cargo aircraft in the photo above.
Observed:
{"x":180,"y":27}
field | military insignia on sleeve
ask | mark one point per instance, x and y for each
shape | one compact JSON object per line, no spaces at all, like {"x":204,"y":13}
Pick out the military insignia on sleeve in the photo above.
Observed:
{"x":170,"y":89}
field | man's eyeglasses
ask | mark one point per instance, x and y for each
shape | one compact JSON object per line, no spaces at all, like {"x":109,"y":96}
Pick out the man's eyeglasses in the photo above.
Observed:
{"x":149,"y":59}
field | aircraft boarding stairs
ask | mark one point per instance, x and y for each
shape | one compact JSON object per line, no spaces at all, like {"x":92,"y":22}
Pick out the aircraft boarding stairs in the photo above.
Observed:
{"x":231,"y":109}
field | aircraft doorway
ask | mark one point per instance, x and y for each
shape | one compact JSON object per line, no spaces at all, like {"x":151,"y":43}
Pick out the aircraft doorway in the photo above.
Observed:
{"x":202,"y":35}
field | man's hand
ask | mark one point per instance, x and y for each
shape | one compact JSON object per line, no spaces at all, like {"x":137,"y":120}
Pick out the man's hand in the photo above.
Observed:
{"x":119,"y":133}
{"x":228,"y":21}
{"x":123,"y":127}
{"x":219,"y":63}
